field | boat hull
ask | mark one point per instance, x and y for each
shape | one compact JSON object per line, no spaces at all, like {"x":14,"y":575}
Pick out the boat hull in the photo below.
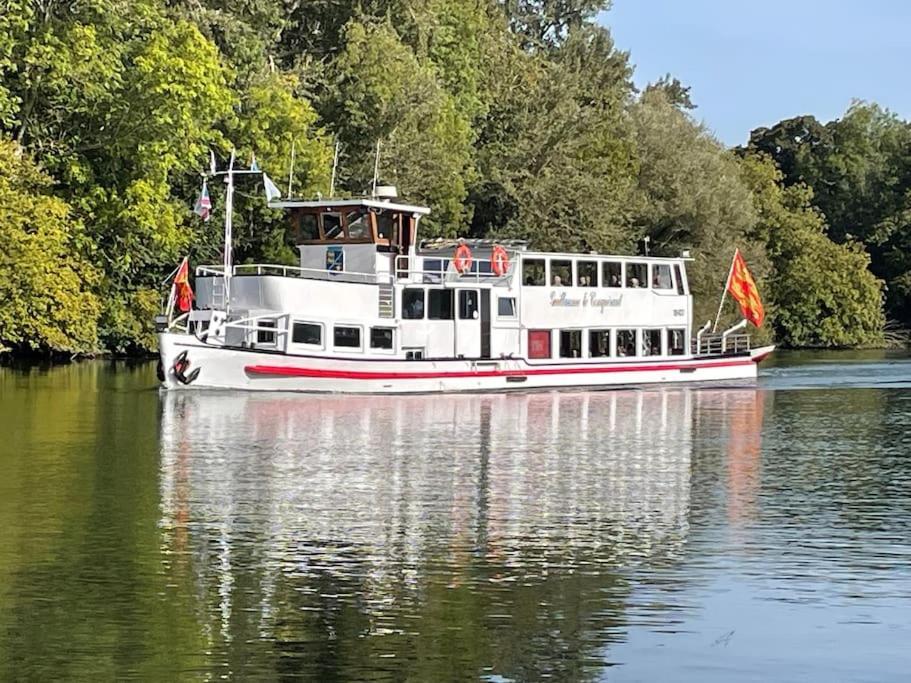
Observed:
{"x":188,"y":363}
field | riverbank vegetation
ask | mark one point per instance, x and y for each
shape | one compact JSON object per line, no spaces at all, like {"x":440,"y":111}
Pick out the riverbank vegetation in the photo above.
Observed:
{"x":515,"y":119}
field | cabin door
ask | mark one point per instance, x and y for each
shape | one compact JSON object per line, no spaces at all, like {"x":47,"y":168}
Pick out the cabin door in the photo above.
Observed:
{"x":468,"y":324}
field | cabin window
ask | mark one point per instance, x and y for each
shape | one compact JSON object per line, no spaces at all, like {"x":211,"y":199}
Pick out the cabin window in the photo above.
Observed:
{"x":439,"y":304}
{"x":533,"y":272}
{"x":626,"y":342}
{"x":678,"y":273}
{"x":539,"y":343}
{"x":468,"y":304}
{"x":561,"y":273}
{"x":586,"y":274}
{"x":358,"y":223}
{"x":307,"y":333}
{"x":414,"y":354}
{"x":570,"y":343}
{"x":413,"y":304}
{"x":347,"y":337}
{"x":637,"y":275}
{"x":307,"y":228}
{"x":266,"y":336}
{"x":380,"y":337}
{"x":385,"y":226}
{"x":651,"y":343}
{"x":506,"y":307}
{"x":612,"y":274}
{"x":332,"y":226}
{"x":676,"y":342}
{"x":661,"y":276}
{"x":599,"y":343}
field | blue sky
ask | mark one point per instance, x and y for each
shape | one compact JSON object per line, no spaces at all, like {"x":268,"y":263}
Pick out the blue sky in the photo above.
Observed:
{"x":751,"y":63}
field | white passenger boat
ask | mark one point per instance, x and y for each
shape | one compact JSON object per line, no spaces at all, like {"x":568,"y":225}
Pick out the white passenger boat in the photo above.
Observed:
{"x":373,"y":309}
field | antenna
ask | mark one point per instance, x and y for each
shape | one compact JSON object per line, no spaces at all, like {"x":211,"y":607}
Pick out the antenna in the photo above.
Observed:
{"x":376,"y":168}
{"x":291,"y":170}
{"x":334,"y":166}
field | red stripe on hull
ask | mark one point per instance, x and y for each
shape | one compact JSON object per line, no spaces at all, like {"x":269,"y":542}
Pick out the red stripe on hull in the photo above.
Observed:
{"x":282,"y":371}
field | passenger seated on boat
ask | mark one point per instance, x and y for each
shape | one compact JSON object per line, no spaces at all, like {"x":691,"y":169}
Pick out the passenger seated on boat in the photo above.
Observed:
{"x":558,"y":282}
{"x":634,"y":282}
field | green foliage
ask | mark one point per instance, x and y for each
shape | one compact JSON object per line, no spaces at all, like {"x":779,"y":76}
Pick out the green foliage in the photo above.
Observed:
{"x":836,"y":305}
{"x":510,"y":119}
{"x":45,"y":280}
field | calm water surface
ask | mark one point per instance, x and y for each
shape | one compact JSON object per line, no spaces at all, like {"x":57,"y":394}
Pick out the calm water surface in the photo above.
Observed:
{"x":710,"y":534}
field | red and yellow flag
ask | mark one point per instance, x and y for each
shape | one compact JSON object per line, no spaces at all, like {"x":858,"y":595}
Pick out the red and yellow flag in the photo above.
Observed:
{"x":183,"y":293}
{"x":743,"y":288}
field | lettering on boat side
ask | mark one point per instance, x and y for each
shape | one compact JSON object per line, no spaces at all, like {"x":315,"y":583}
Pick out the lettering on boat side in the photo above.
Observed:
{"x":589,"y":300}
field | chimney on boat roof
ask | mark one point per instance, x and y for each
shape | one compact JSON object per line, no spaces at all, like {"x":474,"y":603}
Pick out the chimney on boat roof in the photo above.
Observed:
{"x":385,"y":192}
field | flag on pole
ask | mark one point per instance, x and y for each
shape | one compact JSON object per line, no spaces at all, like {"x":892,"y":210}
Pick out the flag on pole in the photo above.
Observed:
{"x":253,"y":165}
{"x":743,"y":288}
{"x":272,"y":192}
{"x":183,"y":293}
{"x":203,"y":207}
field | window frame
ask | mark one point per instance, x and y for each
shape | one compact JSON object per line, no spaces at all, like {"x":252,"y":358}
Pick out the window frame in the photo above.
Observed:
{"x":630,"y":269}
{"x":610,"y":342}
{"x":383,"y":349}
{"x":452,"y":302}
{"x":570,"y":331}
{"x":635,"y":343}
{"x":597,"y":273}
{"x":566,"y":282}
{"x":605,"y":280}
{"x":345,"y":348}
{"x":655,"y":269}
{"x":511,"y":316}
{"x":271,"y":323}
{"x":645,"y":352}
{"x":404,"y":308}
{"x":669,"y":333}
{"x":319,"y":326}
{"x":529,"y":261}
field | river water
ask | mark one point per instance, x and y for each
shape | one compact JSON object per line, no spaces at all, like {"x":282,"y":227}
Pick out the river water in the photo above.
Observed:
{"x":711,"y":534}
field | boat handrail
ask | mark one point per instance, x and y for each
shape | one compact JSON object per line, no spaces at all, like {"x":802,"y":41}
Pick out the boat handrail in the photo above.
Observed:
{"x":295,"y":271}
{"x":719,"y":343}
{"x":449,"y":274}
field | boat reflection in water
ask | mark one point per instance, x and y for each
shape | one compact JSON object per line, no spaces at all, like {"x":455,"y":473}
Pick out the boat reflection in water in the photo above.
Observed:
{"x":418,"y":536}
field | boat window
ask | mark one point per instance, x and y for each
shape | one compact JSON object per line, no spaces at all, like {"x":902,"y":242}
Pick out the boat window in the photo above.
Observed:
{"x":385,"y":226}
{"x":413,"y":303}
{"x":676,"y":342}
{"x":533,"y":272}
{"x":265,"y":336}
{"x":307,"y":333}
{"x":347,"y":337}
{"x":661,"y":276}
{"x":539,"y":343}
{"x":332,"y":226}
{"x":612,"y":274}
{"x":506,"y":307}
{"x":637,"y":275}
{"x":561,"y":273}
{"x":380,"y":337}
{"x":414,"y":354}
{"x":468,"y":304}
{"x":651,"y":342}
{"x":586,"y":274}
{"x":306,"y":228}
{"x":439,"y":304}
{"x":626,"y":342}
{"x":599,"y":343}
{"x":570,"y":343}
{"x":358,"y":224}
{"x":678,"y":273}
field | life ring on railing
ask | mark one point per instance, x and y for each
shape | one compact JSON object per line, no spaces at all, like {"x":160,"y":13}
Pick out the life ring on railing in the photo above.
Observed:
{"x":499,"y":261}
{"x":462,"y":259}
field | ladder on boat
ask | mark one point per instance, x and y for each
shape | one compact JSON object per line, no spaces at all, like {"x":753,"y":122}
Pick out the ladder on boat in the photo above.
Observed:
{"x":218,"y":293}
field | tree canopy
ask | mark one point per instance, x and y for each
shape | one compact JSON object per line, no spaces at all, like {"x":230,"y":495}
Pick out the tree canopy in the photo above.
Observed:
{"x":514,"y":119}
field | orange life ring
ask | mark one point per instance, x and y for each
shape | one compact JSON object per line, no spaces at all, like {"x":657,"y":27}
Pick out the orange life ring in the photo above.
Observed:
{"x":462,"y":258}
{"x":499,"y":260}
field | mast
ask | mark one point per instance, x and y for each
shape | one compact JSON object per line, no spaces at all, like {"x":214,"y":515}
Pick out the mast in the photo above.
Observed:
{"x":229,"y":210}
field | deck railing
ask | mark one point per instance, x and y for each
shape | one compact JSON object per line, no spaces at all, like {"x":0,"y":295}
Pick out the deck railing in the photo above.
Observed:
{"x":296,"y":272}
{"x":721,"y":343}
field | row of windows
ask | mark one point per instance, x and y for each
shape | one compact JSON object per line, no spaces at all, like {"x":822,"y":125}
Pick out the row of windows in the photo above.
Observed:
{"x":633,"y":275}
{"x":343,"y":336}
{"x":440,"y":304}
{"x":607,"y":343}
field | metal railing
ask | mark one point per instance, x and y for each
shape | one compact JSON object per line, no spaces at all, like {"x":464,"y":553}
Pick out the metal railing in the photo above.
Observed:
{"x":247,"y":269}
{"x":481,"y":271}
{"x":720,"y":343}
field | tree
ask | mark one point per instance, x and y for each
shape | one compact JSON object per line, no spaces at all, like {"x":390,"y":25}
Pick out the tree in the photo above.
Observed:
{"x":824,"y":293}
{"x":45,"y":280}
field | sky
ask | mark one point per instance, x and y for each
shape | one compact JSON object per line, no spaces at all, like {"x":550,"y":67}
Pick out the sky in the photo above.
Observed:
{"x":753,"y":63}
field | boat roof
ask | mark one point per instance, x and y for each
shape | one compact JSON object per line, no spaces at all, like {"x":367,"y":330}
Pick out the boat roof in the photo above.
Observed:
{"x":336,"y":203}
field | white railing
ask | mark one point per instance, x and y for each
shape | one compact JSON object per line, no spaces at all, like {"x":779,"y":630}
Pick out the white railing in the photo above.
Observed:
{"x":294,"y":271}
{"x":717,"y":344}
{"x":481,"y":270}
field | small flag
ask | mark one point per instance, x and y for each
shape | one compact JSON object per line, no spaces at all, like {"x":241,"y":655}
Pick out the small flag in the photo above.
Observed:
{"x":212,"y":168}
{"x":253,"y":164}
{"x":743,"y":288}
{"x":203,"y":207}
{"x":183,"y":293}
{"x":272,"y":192}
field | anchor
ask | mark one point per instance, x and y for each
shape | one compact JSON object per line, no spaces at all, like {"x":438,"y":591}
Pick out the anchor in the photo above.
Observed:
{"x":181,"y":363}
